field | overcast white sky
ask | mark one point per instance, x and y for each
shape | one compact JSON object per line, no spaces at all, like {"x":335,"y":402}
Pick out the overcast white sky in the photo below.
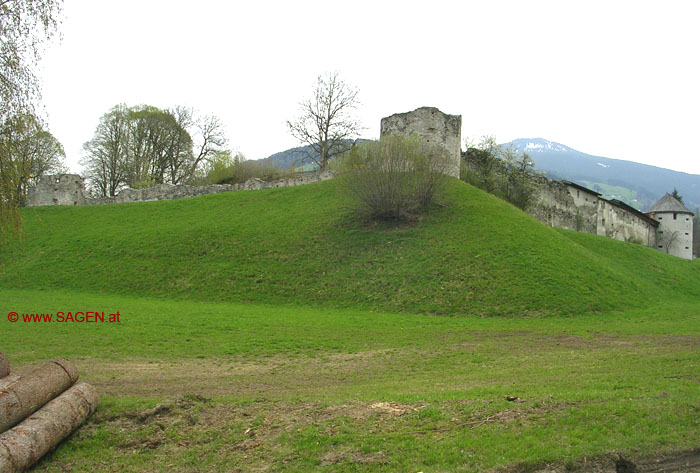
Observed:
{"x":619,"y":79}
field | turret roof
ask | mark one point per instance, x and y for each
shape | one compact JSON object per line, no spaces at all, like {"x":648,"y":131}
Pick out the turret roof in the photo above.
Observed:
{"x":668,"y":203}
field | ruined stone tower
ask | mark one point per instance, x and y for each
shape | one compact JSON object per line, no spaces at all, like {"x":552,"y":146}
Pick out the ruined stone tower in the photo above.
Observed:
{"x":60,"y":189}
{"x":435,"y":129}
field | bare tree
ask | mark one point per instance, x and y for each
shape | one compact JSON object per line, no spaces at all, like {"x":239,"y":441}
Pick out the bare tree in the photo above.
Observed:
{"x":211,"y":140}
{"x":669,"y":240}
{"x":325,"y":123}
{"x":180,"y":154}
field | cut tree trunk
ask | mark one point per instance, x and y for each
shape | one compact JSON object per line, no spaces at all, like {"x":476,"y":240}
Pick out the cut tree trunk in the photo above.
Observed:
{"x":27,"y":394}
{"x":4,"y":366}
{"x":6,"y":381}
{"x":23,"y":445}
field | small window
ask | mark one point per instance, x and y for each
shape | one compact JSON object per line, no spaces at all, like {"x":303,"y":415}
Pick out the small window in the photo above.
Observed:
{"x":577,"y":194}
{"x":674,"y":216}
{"x":687,"y":219}
{"x":661,"y":231}
{"x":660,"y":218}
{"x":660,"y":246}
{"x":686,"y":247}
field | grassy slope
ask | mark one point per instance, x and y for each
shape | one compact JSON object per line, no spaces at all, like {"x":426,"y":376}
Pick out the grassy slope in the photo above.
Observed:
{"x":296,"y":389}
{"x":476,"y":255}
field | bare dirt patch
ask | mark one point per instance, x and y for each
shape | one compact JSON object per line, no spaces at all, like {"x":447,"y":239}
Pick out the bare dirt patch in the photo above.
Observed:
{"x":670,"y":462}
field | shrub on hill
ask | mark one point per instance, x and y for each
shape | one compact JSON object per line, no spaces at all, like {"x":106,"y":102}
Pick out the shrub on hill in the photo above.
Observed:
{"x":226,"y":168}
{"x":395,"y":178}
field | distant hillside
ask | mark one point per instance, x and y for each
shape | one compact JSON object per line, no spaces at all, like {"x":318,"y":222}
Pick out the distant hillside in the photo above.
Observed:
{"x":640,"y":185}
{"x":475,"y":255}
{"x":293,"y":157}
{"x":289,"y":158}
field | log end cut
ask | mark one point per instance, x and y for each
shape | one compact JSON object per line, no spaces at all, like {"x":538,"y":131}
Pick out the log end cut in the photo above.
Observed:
{"x":69,"y":368}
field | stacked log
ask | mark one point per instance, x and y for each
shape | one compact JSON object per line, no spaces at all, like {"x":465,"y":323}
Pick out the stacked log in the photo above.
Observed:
{"x":27,"y":394}
{"x":4,"y":366}
{"x":39,"y":410}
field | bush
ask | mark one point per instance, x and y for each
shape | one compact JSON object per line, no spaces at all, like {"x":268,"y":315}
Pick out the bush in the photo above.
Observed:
{"x":226,"y":168}
{"x":395,"y":178}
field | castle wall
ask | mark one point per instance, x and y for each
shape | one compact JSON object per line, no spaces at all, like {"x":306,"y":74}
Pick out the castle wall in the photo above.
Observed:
{"x":586,"y":203}
{"x":555,"y":206}
{"x":69,"y":189}
{"x":560,"y":205}
{"x":435,"y":129}
{"x":614,"y":221}
{"x":675,"y":233}
{"x":61,"y":189}
{"x":571,"y":207}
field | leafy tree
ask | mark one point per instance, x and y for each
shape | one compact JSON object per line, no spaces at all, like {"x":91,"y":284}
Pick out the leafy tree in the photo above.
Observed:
{"x":482,"y":164}
{"x":228,"y":168}
{"x":519,"y":187}
{"x":32,"y":152}
{"x":144,"y":145}
{"x":160,"y":148}
{"x":24,"y":26}
{"x":105,"y":157}
{"x":325,"y":123}
{"x":501,"y":171}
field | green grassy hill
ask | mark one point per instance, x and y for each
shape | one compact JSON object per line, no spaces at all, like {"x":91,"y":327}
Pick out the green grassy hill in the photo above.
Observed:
{"x":313,"y":376}
{"x":301,"y":246}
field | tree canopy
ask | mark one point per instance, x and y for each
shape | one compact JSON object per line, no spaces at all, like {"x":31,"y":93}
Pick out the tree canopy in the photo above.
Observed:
{"x":143,"y":146}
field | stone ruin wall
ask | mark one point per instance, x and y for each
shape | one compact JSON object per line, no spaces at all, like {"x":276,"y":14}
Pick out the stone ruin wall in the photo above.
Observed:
{"x":69,"y":189}
{"x":61,"y":189}
{"x":620,"y":224}
{"x":560,"y":206}
{"x":430,"y":124}
{"x":556,"y":208}
{"x":435,"y":129}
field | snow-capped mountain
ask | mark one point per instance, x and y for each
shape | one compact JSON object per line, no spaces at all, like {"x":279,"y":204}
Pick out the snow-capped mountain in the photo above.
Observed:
{"x":537,"y":145}
{"x":639,"y":185}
